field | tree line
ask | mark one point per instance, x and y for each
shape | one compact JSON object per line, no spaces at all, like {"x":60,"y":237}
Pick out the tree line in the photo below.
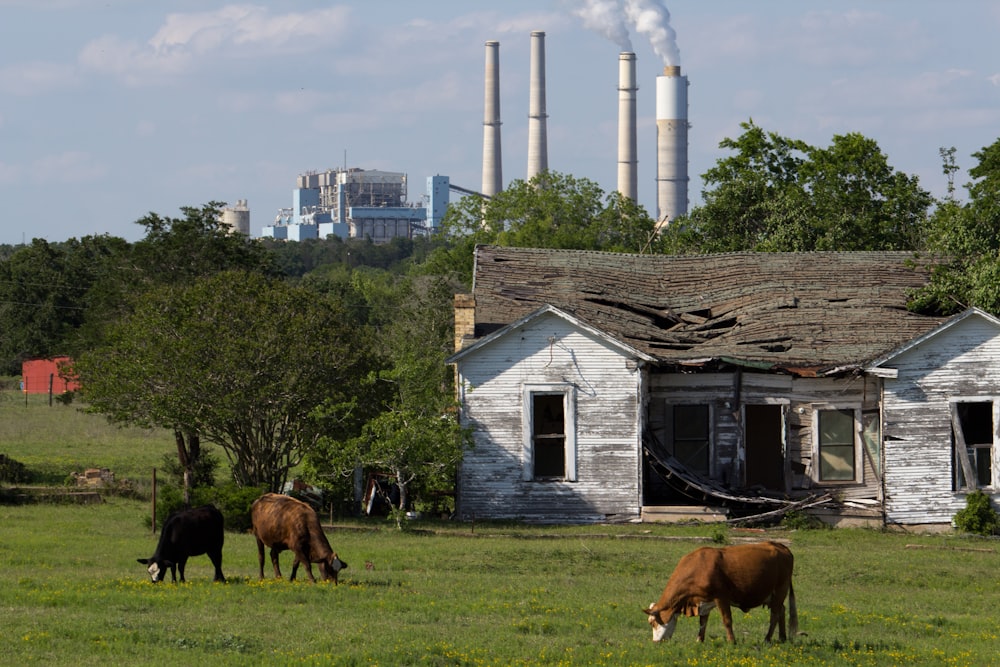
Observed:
{"x":328,"y":355}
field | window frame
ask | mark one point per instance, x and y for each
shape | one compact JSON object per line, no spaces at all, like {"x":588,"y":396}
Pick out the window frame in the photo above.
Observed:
{"x":568,"y":392}
{"x":817,"y":450}
{"x":994,"y":447}
{"x":670,"y":432}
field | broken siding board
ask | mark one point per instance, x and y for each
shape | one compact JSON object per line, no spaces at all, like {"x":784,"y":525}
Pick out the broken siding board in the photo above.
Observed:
{"x":550,"y":352}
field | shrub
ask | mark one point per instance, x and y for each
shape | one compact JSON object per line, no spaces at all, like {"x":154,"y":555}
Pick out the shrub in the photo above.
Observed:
{"x":13,"y":472}
{"x":796,"y":520}
{"x":233,"y":501}
{"x":978,"y":516}
{"x":204,"y":469}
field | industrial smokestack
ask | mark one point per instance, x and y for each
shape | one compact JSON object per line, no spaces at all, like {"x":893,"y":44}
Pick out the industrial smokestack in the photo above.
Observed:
{"x":671,"y":145}
{"x":538,"y":153}
{"x":627,"y":162}
{"x":492,"y":169}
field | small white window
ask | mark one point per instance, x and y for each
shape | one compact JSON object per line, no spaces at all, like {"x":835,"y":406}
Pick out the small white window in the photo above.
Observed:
{"x":837,"y":444}
{"x":549,"y":431}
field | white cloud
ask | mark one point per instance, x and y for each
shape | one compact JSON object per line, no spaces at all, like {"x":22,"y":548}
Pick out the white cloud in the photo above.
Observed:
{"x":36,"y":77}
{"x":185,"y":40}
{"x":67,"y":167}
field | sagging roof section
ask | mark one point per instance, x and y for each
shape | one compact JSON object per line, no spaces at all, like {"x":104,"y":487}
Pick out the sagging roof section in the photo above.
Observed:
{"x":801,"y":313}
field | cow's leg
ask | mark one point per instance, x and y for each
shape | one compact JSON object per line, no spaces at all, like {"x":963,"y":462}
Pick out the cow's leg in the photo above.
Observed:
{"x":295,"y":568}
{"x":260,"y":556}
{"x":704,"y":609}
{"x":216,"y":558}
{"x":181,"y":562}
{"x":274,"y":562}
{"x":777,"y":620}
{"x":727,"y":619}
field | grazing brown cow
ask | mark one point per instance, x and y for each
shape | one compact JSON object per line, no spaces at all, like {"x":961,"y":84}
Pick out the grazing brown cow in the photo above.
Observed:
{"x":745,"y":576}
{"x":282,"y":522}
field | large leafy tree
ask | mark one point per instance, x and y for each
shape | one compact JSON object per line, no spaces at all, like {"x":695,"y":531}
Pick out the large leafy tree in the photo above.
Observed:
{"x":780,"y":194}
{"x":414,"y":436}
{"x":237,"y":360}
{"x":967,"y":237}
{"x":47,"y":291}
{"x":552,"y":210}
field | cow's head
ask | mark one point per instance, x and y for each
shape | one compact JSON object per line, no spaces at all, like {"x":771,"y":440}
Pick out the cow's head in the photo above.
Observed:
{"x":663,"y":622}
{"x":157,"y":568}
{"x":332,"y":567}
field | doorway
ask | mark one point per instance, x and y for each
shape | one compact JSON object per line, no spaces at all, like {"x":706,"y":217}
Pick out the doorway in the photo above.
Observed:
{"x":764,"y":438}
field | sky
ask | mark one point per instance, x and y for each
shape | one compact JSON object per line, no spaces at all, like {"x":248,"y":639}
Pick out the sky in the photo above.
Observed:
{"x":111,"y":110}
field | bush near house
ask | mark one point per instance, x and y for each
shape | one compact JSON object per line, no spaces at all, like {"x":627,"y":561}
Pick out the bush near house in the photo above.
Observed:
{"x":978,"y":516}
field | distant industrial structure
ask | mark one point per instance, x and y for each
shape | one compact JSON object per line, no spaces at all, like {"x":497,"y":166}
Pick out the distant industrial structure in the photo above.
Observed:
{"x":236,"y":218}
{"x":359,"y":204}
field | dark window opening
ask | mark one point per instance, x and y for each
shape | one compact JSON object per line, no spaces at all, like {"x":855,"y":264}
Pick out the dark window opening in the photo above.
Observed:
{"x":972,"y":435}
{"x":548,"y":435}
{"x":691,"y":437}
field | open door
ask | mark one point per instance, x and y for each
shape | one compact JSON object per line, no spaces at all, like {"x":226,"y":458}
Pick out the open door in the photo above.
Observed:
{"x":764,"y":433}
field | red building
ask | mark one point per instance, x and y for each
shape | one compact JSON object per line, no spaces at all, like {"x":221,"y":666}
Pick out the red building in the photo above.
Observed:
{"x":40,"y":376}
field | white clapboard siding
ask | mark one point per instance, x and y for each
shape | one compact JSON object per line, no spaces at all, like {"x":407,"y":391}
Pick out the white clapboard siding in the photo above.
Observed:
{"x":550,"y":350}
{"x":963,"y":362}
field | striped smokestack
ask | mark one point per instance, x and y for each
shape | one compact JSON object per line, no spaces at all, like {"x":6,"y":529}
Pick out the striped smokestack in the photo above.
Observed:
{"x":627,"y":162}
{"x":492,"y":170}
{"x":671,"y":145}
{"x":538,"y":154}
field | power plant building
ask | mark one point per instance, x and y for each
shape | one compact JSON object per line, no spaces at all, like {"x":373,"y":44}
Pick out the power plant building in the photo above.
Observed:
{"x":359,"y":203}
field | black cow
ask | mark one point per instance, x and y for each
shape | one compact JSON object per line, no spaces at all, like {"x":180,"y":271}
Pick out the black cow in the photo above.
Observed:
{"x":187,"y":533}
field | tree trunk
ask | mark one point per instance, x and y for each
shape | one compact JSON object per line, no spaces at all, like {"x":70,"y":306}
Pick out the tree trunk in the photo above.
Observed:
{"x":188,"y":453}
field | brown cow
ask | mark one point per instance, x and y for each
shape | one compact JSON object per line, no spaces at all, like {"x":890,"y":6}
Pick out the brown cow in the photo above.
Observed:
{"x":745,"y":576}
{"x":282,"y":522}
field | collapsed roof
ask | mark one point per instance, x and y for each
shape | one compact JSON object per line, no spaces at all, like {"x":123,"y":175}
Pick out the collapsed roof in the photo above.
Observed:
{"x":814,"y":313}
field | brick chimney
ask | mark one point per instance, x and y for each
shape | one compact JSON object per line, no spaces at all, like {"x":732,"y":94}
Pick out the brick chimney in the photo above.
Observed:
{"x":465,"y":319}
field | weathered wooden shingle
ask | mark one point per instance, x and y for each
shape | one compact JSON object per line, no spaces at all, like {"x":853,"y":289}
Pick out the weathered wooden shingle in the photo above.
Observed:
{"x":804,"y":312}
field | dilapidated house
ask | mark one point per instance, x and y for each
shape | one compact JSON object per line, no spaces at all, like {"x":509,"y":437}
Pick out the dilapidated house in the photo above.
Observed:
{"x":604,"y":386}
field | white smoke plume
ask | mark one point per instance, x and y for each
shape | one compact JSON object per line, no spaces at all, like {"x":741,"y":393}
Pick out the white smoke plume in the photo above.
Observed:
{"x":605,"y":17}
{"x":651,"y":18}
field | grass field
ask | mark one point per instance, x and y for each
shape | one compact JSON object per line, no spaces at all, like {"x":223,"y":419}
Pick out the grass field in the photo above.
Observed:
{"x":71,"y":592}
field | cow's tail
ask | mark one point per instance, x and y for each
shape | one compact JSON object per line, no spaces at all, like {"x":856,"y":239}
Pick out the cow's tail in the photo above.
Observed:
{"x":793,"y":614}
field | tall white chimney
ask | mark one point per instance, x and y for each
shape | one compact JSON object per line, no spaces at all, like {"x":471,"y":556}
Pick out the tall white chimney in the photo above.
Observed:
{"x":538,"y":154}
{"x":627,"y":161}
{"x":671,"y":145}
{"x":492,"y":166}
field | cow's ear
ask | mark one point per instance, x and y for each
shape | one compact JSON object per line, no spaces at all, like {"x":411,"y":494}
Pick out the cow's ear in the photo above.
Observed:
{"x":649,"y":611}
{"x":144,"y":561}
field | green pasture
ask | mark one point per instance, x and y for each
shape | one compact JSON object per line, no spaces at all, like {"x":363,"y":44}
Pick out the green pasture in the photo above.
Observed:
{"x":444,"y":593}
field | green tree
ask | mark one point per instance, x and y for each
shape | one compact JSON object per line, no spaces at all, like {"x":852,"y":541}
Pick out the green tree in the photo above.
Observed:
{"x":47,"y":291}
{"x":235,"y":359}
{"x":779,"y":194}
{"x":966,"y":236}
{"x":180,"y":250}
{"x":414,"y":436}
{"x":552,"y":210}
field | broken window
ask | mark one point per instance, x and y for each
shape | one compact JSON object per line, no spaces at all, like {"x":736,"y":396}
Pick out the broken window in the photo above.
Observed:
{"x":689,"y":436}
{"x":837,"y":445}
{"x":972,"y":437}
{"x":550,"y":441}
